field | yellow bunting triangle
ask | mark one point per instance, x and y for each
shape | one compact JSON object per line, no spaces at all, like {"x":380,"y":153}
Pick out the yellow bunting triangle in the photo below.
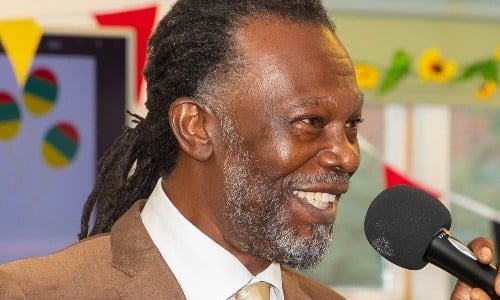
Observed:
{"x":20,"y":40}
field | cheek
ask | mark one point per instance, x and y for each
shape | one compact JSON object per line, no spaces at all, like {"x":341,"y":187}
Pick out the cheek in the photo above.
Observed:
{"x":276,"y":150}
{"x":284,"y":151}
{"x":281,"y":155}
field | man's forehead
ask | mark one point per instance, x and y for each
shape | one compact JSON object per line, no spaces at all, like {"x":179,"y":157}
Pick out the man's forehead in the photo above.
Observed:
{"x":284,"y":60}
{"x":278,"y":43}
{"x":264,"y":33}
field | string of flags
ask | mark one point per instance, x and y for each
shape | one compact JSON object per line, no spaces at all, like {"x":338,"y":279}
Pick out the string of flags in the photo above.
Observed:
{"x":21,"y":51}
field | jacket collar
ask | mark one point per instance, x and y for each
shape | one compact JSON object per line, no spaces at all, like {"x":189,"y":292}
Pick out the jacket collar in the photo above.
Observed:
{"x":134,"y":253}
{"x":291,"y":286}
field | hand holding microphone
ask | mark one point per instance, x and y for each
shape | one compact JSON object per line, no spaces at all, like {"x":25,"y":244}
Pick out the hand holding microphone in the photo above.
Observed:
{"x":409,"y":228}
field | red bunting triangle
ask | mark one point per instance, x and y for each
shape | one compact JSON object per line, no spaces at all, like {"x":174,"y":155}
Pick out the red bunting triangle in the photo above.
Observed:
{"x":394,"y":177}
{"x":142,"y":20}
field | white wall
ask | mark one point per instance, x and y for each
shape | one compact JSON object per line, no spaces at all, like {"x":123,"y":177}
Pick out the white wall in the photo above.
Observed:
{"x":485,"y":9}
{"x":64,"y":12}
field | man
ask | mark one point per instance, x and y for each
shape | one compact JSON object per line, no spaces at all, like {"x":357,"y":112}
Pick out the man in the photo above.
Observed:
{"x":252,"y":126}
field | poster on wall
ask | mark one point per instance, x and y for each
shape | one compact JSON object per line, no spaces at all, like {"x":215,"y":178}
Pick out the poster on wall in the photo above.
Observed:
{"x":52,"y":131}
{"x":47,"y":141}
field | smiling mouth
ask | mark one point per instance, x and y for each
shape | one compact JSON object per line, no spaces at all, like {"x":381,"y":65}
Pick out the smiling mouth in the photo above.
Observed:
{"x":317,"y":199}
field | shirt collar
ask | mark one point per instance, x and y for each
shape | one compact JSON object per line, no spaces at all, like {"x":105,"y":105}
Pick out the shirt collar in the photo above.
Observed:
{"x":203,"y":268}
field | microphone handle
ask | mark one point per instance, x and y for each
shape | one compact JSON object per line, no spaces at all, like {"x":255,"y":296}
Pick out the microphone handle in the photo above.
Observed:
{"x":446,"y":252}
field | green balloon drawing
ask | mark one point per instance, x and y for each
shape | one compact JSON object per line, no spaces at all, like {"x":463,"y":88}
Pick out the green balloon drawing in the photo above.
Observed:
{"x":10,"y":116}
{"x":60,"y":145}
{"x":40,"y":92}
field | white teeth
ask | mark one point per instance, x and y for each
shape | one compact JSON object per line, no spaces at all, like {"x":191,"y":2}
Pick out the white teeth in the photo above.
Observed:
{"x":317,"y":199}
{"x":329,"y":197}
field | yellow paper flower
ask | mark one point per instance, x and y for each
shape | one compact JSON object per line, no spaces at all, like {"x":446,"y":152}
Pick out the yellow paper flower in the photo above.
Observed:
{"x":366,"y":76}
{"x":486,"y":90}
{"x":432,"y":67}
{"x":497,"y":53}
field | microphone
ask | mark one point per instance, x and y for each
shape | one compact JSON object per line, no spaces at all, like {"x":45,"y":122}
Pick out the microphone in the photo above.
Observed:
{"x":409,"y":227}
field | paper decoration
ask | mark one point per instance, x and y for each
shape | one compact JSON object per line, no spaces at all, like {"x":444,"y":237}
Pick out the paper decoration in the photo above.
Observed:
{"x":60,"y":145}
{"x":393,"y":177}
{"x":142,"y":21}
{"x":40,"y":91}
{"x":20,"y":39}
{"x":431,"y":69}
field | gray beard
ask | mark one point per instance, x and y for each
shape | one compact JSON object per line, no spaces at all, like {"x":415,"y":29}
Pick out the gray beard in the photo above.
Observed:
{"x":258,"y":215}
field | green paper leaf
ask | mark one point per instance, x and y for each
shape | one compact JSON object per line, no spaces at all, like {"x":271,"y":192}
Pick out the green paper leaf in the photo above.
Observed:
{"x":469,"y":71}
{"x":400,"y":66}
{"x":489,"y":70}
{"x":486,"y":68}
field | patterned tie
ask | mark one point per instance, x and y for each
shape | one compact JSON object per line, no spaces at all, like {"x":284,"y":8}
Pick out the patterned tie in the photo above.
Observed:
{"x":255,"y":291}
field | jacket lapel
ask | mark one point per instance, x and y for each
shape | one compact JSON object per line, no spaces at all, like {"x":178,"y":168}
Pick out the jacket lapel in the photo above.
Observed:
{"x":291,"y":286}
{"x":135,"y":254}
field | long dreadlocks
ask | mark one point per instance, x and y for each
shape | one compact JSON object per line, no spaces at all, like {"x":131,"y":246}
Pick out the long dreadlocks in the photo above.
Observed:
{"x":191,"y":43}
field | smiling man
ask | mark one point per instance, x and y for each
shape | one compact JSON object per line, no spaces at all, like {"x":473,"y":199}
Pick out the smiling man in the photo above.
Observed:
{"x":248,"y":146}
{"x":288,"y":145}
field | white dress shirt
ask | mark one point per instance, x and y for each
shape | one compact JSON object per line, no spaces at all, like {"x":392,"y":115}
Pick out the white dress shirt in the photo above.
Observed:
{"x":203,"y":268}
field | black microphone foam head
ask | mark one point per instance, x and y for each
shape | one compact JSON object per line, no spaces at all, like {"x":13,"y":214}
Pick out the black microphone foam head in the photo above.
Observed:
{"x":401,"y":222}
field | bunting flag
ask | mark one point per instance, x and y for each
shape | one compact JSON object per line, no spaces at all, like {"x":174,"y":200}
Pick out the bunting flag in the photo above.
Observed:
{"x":142,"y":21}
{"x":20,"y":39}
{"x":393,"y":177}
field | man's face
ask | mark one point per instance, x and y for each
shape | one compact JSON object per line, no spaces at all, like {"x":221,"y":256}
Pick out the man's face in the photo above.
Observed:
{"x":290,"y":141}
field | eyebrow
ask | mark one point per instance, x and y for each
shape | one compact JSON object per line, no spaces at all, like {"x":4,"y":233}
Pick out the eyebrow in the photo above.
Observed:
{"x":315,"y":101}
{"x":304,"y":102}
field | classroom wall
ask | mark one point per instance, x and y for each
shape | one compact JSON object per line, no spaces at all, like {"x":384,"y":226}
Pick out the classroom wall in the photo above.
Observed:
{"x":52,"y":12}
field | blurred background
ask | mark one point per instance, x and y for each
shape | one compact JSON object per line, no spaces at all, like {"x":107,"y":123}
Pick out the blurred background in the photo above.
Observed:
{"x":428,"y":68}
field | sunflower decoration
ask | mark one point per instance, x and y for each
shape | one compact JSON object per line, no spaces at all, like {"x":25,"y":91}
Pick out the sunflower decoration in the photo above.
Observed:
{"x":367,"y":76}
{"x":487,"y":90}
{"x":432,"y":68}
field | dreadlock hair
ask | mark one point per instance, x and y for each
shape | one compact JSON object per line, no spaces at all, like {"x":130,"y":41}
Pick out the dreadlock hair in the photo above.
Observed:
{"x":190,"y":45}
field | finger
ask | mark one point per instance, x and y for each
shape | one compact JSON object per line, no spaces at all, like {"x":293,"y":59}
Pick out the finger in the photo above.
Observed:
{"x":462,"y":291}
{"x":478,"y":294}
{"x":483,"y":248}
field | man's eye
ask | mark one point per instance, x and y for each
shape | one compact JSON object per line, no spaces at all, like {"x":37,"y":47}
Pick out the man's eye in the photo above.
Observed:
{"x":354,"y":123}
{"x":313,"y":121}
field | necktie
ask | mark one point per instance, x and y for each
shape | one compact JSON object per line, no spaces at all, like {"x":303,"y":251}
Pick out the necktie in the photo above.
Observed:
{"x":255,"y":291}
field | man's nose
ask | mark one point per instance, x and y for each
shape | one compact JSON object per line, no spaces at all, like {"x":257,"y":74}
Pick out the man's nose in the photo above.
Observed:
{"x":341,"y":155}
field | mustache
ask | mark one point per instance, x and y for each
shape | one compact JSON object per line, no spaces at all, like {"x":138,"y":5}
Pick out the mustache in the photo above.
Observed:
{"x":328,"y":178}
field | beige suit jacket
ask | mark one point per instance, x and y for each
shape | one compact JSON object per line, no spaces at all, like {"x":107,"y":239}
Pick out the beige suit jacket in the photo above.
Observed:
{"x":123,"y":264}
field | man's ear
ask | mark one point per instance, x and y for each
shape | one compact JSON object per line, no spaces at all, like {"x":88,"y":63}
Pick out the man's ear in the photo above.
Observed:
{"x":189,"y":122}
